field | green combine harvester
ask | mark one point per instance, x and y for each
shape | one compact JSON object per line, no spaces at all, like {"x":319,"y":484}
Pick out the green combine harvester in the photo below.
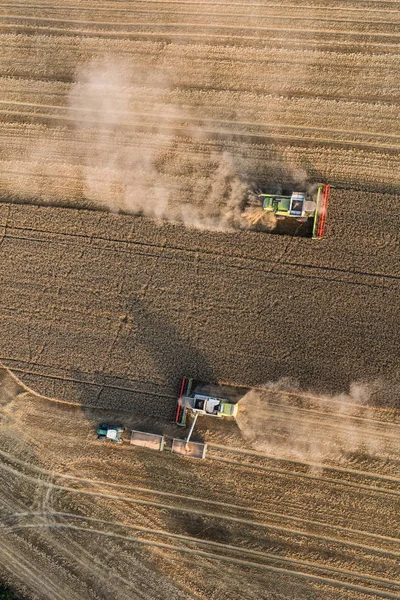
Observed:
{"x":197,"y":398}
{"x":299,"y":207}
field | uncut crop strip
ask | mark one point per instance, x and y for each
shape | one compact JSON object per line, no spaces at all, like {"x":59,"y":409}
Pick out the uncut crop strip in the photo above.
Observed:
{"x":255,"y":264}
{"x":285,"y":270}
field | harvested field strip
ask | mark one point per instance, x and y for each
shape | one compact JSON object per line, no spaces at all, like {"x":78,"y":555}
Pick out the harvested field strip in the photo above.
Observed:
{"x":334,"y":582}
{"x":326,"y":413}
{"x":32,"y":573}
{"x":199,"y":511}
{"x":163,"y":3}
{"x":48,"y":516}
{"x":322,"y":59}
{"x":279,"y":416}
{"x":220,"y":26}
{"x":111,"y":9}
{"x":304,"y":463}
{"x":226,"y":449}
{"x":220,"y":133}
{"x":198,"y":122}
{"x":206,"y":24}
{"x":226,"y":38}
{"x":315,"y":397}
{"x":323,"y":480}
{"x":197,"y":541}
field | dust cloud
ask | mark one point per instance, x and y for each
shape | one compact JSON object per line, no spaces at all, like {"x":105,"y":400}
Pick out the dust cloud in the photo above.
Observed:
{"x":282,"y":420}
{"x":129,"y":178}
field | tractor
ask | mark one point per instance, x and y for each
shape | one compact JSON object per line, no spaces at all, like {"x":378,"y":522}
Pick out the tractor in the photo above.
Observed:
{"x":110,"y":432}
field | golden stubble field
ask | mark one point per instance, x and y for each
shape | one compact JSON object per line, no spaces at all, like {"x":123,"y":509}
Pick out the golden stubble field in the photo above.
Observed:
{"x":175,"y":110}
{"x":99,"y":520}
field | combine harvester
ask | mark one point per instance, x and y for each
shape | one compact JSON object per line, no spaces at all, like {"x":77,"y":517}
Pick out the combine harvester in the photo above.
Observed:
{"x":198,"y":398}
{"x":195,"y":398}
{"x":299,"y":207}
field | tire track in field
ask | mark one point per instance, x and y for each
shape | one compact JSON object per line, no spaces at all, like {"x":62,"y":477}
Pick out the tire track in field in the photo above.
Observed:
{"x":256,"y":41}
{"x":246,"y":125}
{"x":217,"y":26}
{"x":221,"y":133}
{"x":197,"y":541}
{"x":68,"y":8}
{"x":233,"y":16}
{"x":333,"y":582}
{"x":178,"y":508}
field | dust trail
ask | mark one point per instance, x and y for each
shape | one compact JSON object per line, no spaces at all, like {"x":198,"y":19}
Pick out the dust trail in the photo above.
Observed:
{"x":338,"y":428}
{"x":125,"y":129}
{"x":132,"y":179}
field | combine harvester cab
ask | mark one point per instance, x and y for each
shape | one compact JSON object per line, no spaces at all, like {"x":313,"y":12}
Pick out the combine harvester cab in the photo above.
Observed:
{"x":194,"y":396}
{"x":300,"y":207}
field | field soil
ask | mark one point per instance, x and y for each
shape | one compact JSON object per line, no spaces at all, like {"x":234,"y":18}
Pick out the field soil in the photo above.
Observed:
{"x":132,"y":135}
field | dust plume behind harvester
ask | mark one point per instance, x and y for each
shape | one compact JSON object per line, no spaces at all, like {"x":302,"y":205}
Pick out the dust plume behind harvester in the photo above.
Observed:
{"x":299,"y":207}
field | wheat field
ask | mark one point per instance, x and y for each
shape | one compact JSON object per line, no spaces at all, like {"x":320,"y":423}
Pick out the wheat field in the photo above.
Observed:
{"x":131,"y":135}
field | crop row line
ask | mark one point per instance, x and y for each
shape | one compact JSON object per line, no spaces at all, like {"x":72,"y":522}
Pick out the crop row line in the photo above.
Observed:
{"x":197,"y":120}
{"x":194,"y":251}
{"x":190,"y":510}
{"x":207,"y":25}
{"x":301,"y":7}
{"x":219,"y":546}
{"x":304,"y":42}
{"x":222,"y":133}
